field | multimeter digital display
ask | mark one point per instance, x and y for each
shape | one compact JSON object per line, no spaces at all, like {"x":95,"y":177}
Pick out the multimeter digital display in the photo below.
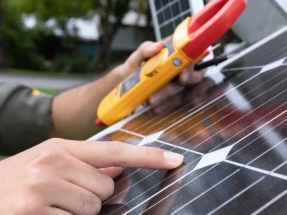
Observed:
{"x":130,"y":82}
{"x":188,"y":45}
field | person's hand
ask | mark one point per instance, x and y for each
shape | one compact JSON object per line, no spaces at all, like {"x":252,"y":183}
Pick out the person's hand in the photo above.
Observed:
{"x":149,"y":49}
{"x":62,"y":177}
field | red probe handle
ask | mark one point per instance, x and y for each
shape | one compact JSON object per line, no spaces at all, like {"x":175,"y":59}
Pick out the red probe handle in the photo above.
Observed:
{"x":211,"y":23}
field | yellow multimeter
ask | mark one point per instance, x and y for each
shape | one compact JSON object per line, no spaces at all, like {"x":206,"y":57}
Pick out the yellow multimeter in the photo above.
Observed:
{"x":187,"y":45}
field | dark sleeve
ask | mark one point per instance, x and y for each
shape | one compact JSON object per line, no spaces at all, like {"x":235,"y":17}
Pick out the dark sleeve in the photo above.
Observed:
{"x":25,"y":118}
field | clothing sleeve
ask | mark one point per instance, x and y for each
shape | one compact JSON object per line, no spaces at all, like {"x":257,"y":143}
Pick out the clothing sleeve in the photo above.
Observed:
{"x":25,"y":118}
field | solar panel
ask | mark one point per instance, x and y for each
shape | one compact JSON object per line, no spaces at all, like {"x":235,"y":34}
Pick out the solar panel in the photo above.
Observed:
{"x":231,"y":128}
{"x":167,"y":14}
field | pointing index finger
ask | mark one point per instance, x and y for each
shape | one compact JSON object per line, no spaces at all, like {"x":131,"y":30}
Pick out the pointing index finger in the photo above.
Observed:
{"x":118,"y":154}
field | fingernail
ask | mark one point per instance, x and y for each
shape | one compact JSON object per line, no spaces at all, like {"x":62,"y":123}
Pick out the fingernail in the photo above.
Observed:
{"x":186,"y":77}
{"x":155,"y":45}
{"x":155,"y":99}
{"x":173,"y":157}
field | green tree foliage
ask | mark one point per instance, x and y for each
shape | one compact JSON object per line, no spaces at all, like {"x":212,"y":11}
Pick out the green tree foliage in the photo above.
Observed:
{"x":60,"y":11}
{"x":115,"y":9}
{"x":111,"y":13}
{"x":47,"y":9}
{"x":18,"y":42}
{"x":2,"y":54}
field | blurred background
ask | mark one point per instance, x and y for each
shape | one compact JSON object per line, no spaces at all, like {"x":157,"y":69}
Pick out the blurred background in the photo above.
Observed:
{"x":68,"y":41}
{"x":54,"y":45}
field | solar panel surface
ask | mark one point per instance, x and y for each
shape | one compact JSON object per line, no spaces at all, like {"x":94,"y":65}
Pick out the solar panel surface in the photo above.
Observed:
{"x":232,"y":134}
{"x":231,"y":128}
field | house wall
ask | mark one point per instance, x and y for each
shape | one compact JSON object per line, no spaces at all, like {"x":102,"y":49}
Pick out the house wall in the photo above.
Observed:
{"x":129,"y":38}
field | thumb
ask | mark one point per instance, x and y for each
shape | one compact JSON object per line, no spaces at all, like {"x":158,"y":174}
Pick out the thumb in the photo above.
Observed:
{"x":113,"y":172}
{"x":146,"y":50}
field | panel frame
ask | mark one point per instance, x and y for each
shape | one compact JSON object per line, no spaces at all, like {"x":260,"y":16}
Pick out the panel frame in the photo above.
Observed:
{"x":155,"y":20}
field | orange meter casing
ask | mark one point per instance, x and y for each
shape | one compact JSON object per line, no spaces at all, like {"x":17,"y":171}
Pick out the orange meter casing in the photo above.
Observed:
{"x":187,"y":45}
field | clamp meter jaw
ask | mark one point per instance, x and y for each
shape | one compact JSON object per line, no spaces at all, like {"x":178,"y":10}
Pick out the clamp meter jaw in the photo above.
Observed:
{"x":187,"y":45}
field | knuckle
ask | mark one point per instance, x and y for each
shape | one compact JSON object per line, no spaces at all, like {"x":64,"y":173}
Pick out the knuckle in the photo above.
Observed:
{"x":53,"y":142}
{"x":91,"y":171}
{"x":115,"y":147}
{"x":91,"y":204}
{"x":196,"y":77}
{"x":151,"y":153}
{"x":37,"y":180}
{"x":106,"y":182}
{"x":147,"y":151}
{"x":48,"y":157}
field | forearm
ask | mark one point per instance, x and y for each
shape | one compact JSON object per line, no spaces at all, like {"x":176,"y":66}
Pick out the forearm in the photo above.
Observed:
{"x":74,"y":111}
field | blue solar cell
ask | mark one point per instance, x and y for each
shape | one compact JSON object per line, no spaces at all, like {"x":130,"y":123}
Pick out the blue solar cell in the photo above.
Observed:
{"x":160,"y":18}
{"x":157,"y":4}
{"x":167,"y":14}
{"x":184,"y":4}
{"x":175,"y":9}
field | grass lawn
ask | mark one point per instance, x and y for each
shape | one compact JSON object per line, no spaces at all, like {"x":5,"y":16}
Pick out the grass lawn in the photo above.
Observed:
{"x":49,"y":91}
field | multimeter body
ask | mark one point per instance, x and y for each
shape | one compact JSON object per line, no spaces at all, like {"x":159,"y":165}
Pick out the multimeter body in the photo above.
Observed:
{"x":187,"y":45}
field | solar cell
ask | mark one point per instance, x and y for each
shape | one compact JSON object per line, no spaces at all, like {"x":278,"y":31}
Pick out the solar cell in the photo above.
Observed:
{"x":233,"y":136}
{"x":270,"y":52}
